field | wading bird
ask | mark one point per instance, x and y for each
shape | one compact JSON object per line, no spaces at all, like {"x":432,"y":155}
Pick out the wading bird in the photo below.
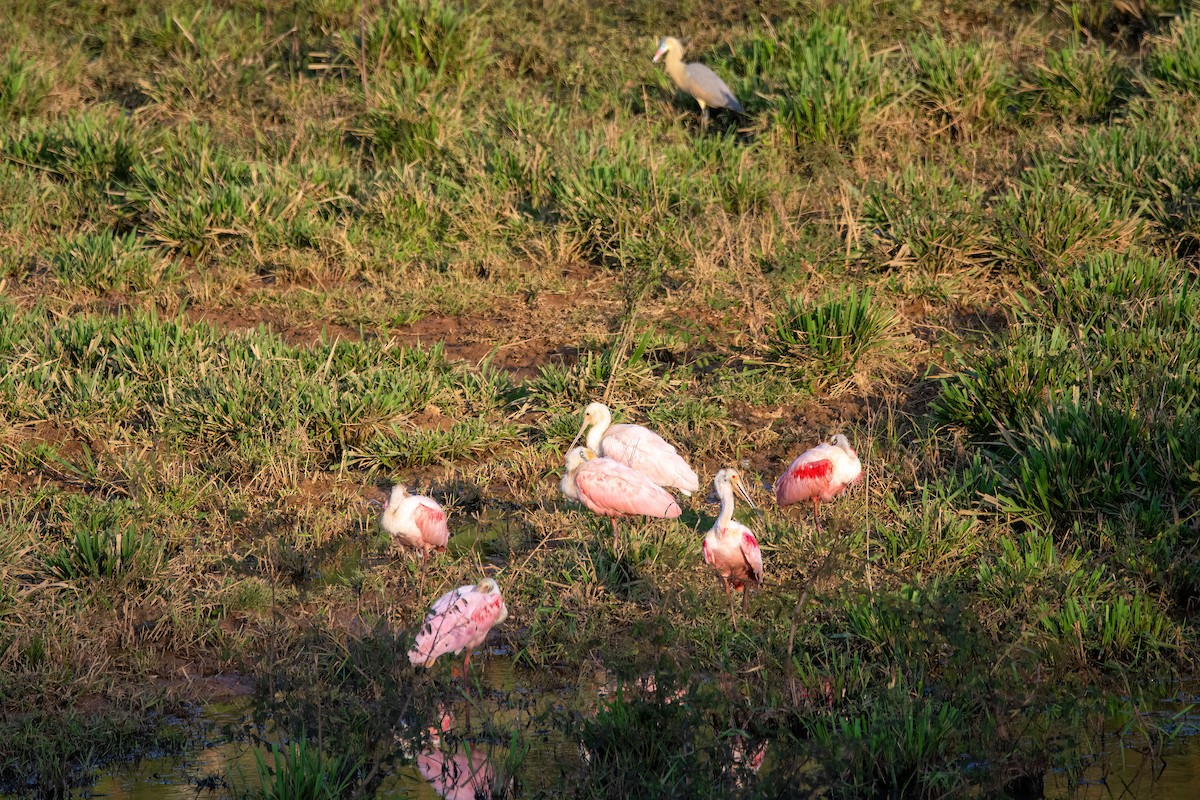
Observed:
{"x":819,"y":475}
{"x":415,"y":521}
{"x":730,"y":548}
{"x":636,"y":447}
{"x":696,"y":79}
{"x":460,"y":620}
{"x":611,"y":489}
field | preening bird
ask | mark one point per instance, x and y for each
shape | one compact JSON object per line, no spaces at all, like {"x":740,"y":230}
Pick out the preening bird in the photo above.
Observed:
{"x":460,"y":620}
{"x":611,"y":489}
{"x":819,"y":474}
{"x":696,"y":79}
{"x":415,"y":521}
{"x":636,"y":447}
{"x":730,"y":548}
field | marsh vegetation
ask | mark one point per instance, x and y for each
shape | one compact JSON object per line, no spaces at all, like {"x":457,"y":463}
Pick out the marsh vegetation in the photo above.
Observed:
{"x":260,"y":260}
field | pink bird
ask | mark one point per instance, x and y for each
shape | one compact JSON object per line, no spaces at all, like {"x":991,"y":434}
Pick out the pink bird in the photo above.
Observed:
{"x":730,"y":548}
{"x":819,"y":474}
{"x":415,"y":521}
{"x":636,"y":447}
{"x":460,"y":620}
{"x":463,"y":775}
{"x":611,"y":489}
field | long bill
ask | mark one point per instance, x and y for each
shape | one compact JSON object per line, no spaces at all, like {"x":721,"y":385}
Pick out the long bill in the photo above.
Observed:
{"x":745,"y":493}
{"x":582,"y":428}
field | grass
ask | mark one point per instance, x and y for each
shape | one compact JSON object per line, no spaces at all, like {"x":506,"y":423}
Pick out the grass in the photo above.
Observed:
{"x":260,"y":263}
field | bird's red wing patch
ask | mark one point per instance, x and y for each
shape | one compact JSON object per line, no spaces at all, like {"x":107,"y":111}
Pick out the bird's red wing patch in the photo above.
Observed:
{"x":748,"y":540}
{"x":814,"y":470}
{"x":430,"y":515}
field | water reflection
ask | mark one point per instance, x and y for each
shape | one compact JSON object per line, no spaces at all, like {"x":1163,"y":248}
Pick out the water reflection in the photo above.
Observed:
{"x":465,"y":775}
{"x":1137,"y":759}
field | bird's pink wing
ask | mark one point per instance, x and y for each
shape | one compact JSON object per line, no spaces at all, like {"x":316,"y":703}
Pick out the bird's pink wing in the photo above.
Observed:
{"x":645,"y":451}
{"x":613,"y":490}
{"x":431,"y":521}
{"x":449,"y":598}
{"x":461,"y":623}
{"x":807,"y":477}
{"x":753,"y":555}
{"x":704,"y":551}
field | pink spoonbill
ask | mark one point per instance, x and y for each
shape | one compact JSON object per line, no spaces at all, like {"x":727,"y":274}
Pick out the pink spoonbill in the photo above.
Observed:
{"x":819,"y":474}
{"x":636,"y":447}
{"x":611,"y":489}
{"x":730,"y":548}
{"x":696,"y":79}
{"x":460,"y":620}
{"x":415,"y":521}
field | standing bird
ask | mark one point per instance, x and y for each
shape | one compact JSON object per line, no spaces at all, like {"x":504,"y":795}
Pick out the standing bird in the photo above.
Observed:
{"x":415,"y":521}
{"x":460,"y":620}
{"x":696,"y":79}
{"x":819,"y":474}
{"x":636,"y":447}
{"x":611,"y":489}
{"x":730,"y":548}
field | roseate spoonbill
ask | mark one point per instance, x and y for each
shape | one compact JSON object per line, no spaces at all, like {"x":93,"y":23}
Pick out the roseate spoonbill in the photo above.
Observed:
{"x":636,"y":447}
{"x":819,"y":474}
{"x":697,"y":80}
{"x":460,"y":620}
{"x":415,"y":521}
{"x":730,"y":548}
{"x":611,"y":489}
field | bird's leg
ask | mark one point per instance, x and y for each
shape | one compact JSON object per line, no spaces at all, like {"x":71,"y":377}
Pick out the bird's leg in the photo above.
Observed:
{"x":613,"y":520}
{"x":424,"y":562}
{"x":703,"y":116}
{"x":817,"y":513}
{"x":745,"y":597}
{"x":729,"y":596}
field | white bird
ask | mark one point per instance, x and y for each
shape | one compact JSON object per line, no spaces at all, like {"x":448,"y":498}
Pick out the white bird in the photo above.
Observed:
{"x":636,"y":447}
{"x":696,"y":79}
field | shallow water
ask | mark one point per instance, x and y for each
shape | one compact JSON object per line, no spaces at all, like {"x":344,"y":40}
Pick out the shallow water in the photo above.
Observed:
{"x":1136,"y":759}
{"x":1124,"y":764}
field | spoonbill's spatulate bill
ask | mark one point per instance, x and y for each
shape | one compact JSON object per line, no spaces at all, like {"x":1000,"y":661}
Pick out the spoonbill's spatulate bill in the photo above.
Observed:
{"x":730,"y":548}
{"x":611,"y":489}
{"x":636,"y":447}
{"x":696,"y":79}
{"x":460,"y":620}
{"x":819,"y":474}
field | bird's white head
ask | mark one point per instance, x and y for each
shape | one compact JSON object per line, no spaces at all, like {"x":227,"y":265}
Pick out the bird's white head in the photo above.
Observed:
{"x":594,"y":414}
{"x":398,"y":493}
{"x":840,"y":440}
{"x":576,"y":456}
{"x":666,"y":45}
{"x":733,"y":479}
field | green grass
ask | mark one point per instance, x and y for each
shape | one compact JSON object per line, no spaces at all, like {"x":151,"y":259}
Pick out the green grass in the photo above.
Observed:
{"x":260,"y":262}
